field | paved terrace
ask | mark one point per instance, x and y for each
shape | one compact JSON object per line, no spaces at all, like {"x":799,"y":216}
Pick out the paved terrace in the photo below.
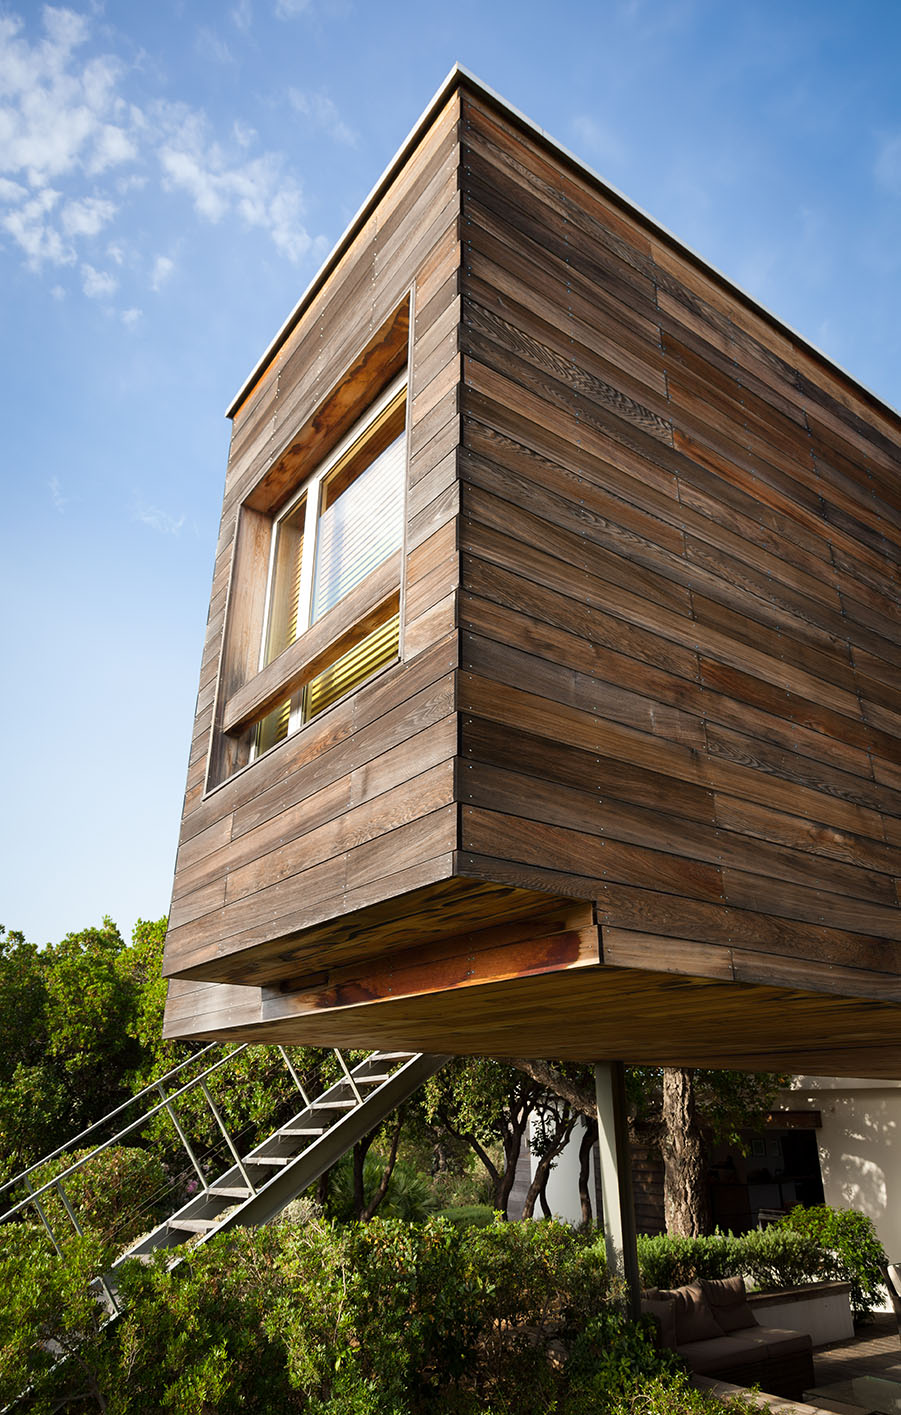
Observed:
{"x":875,"y":1352}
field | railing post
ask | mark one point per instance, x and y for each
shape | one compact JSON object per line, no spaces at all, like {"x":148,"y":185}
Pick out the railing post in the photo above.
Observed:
{"x":80,"y":1231}
{"x":43,"y":1217}
{"x":228,"y":1139}
{"x":351,"y":1081}
{"x":297,"y":1081}
{"x":170,"y":1111}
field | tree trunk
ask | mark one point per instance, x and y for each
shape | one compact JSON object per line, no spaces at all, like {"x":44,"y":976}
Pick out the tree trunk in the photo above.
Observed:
{"x":563,"y":1128}
{"x":589,"y":1135}
{"x":361,"y":1149}
{"x":382,"y":1188}
{"x":685,"y":1198}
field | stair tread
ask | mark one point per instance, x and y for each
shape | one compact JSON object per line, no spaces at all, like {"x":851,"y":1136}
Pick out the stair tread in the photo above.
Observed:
{"x":193,"y":1225}
{"x":334,"y":1105}
{"x":303,"y":1130}
{"x":227,"y":1191}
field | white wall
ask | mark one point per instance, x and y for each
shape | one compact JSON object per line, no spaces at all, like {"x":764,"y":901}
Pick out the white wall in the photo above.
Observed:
{"x":859,"y":1145}
{"x":563,"y":1183}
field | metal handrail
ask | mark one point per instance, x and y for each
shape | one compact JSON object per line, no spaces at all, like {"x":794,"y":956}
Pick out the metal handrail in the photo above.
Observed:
{"x":82,"y":1134}
{"x":120,"y":1135}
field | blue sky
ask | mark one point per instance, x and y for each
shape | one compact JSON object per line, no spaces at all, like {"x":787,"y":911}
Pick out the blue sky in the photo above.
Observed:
{"x":171,"y":176}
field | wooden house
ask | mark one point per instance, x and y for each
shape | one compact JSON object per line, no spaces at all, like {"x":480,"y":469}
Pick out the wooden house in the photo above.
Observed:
{"x":549,"y":700}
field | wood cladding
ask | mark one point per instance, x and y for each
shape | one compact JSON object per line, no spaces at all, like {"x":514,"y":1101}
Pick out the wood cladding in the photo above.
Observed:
{"x":650,"y":654}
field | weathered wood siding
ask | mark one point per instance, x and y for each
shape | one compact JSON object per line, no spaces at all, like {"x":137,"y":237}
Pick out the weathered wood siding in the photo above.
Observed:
{"x":359,"y":806}
{"x":680,"y":544}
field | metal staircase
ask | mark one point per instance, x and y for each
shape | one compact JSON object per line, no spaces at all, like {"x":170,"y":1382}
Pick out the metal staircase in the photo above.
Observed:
{"x":293,"y":1157}
{"x":255,"y":1185}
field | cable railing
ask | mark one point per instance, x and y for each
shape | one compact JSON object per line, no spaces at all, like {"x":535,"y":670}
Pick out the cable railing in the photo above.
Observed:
{"x":49,"y":1200}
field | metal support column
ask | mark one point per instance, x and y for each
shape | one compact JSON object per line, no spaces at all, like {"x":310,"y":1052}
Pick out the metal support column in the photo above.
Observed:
{"x":616,"y":1175}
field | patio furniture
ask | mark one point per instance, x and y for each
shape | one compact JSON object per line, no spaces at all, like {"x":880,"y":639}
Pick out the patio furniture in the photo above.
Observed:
{"x":712,"y":1327}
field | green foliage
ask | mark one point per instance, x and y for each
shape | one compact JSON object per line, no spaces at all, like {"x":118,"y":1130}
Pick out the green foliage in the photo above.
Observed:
{"x":611,"y":1359}
{"x":116,"y":1197}
{"x":196,"y":1339}
{"x":51,"y":1311}
{"x":768,"y":1257}
{"x":850,"y":1238}
{"x":728,"y":1101}
{"x":383,"y":1318}
{"x":67,"y":1039}
{"x":666,"y":1261}
{"x":672,"y":1394}
{"x":773,"y":1258}
{"x":408,"y":1197}
{"x":478,"y":1214}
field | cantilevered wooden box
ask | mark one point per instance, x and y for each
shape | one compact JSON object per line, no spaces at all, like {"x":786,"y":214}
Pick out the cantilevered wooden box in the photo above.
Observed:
{"x":550,"y":692}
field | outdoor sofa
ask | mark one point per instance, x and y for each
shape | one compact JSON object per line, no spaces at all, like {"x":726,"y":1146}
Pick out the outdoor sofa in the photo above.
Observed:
{"x":712,"y":1327}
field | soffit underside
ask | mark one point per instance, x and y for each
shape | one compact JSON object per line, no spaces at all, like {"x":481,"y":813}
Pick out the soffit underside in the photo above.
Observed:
{"x":597,"y":1012}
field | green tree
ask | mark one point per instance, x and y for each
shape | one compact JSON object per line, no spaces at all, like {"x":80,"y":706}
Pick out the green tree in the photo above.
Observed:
{"x":67,"y":1038}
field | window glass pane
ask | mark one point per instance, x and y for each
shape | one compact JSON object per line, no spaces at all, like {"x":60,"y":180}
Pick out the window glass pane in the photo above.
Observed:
{"x":353,"y":667}
{"x":360,"y":528}
{"x":284,"y":611}
{"x":272,"y":728}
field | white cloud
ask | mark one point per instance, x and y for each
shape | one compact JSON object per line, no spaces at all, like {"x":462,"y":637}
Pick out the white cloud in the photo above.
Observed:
{"x":131,"y":317}
{"x":11,"y":191}
{"x":163,"y":267}
{"x":31,"y":229}
{"x":60,"y":502}
{"x":290,"y":9}
{"x":209,"y":45}
{"x":887,"y":167}
{"x":74,"y":148}
{"x":158,"y":520}
{"x":98,"y":284}
{"x":324,"y":114}
{"x":86,"y":217}
{"x":256,"y":191}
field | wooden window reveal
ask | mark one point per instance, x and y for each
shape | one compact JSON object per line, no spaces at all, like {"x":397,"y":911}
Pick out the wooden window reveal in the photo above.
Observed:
{"x":314,"y":605}
{"x":333,"y":537}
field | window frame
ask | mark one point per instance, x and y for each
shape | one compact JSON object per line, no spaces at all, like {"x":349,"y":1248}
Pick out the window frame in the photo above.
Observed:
{"x":244,"y":692}
{"x":311,"y":490}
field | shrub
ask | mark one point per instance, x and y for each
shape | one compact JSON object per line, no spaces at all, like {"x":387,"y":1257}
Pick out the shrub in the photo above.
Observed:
{"x":611,"y":1359}
{"x":666,"y":1261}
{"x":769,"y":1257}
{"x":849,"y":1237}
{"x":774,"y":1258}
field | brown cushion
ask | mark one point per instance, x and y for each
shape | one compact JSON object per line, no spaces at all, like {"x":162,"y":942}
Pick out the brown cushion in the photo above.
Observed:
{"x":784,"y":1343}
{"x":694,"y":1319}
{"x":722,"y":1354}
{"x":663,"y":1311}
{"x":728,"y":1302}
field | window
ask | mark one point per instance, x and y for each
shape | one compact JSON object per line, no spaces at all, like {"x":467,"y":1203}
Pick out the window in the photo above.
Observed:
{"x":335,"y":563}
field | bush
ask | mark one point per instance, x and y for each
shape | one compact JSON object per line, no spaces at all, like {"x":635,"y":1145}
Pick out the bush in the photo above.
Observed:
{"x":774,"y":1258}
{"x":408,"y":1197}
{"x":768,"y":1257}
{"x":850,"y":1239}
{"x":666,"y":1261}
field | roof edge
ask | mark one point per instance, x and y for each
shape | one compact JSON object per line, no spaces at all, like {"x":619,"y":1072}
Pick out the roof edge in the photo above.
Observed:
{"x":458,"y":76}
